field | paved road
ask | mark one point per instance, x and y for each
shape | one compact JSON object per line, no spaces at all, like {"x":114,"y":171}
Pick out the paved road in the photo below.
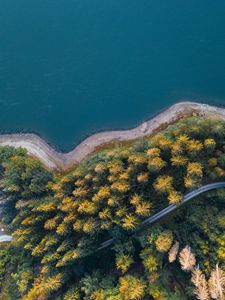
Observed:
{"x":5,"y":238}
{"x":170,"y":208}
{"x":159,"y":215}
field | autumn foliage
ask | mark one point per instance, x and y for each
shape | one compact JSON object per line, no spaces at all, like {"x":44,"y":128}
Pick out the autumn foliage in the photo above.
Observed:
{"x":58,"y":221}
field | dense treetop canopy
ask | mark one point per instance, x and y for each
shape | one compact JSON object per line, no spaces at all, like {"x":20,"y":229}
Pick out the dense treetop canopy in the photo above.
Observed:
{"x":59,"y":220}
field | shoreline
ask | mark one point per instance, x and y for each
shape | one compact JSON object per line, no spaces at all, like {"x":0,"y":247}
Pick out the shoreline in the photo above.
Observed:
{"x":52,"y":159}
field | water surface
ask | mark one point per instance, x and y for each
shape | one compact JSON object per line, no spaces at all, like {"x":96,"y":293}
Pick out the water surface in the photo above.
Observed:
{"x":71,"y":68}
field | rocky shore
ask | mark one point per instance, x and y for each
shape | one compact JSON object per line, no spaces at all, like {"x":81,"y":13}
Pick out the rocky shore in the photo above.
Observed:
{"x":37,"y":147}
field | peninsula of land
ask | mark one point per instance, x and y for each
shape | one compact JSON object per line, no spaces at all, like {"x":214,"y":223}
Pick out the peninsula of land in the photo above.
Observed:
{"x":52,"y":159}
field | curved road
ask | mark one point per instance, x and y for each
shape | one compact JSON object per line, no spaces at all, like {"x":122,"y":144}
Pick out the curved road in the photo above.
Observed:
{"x":170,"y":208}
{"x":160,"y":214}
{"x":5,"y":238}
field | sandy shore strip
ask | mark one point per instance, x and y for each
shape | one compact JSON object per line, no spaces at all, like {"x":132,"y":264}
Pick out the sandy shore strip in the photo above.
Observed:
{"x":52,"y":159}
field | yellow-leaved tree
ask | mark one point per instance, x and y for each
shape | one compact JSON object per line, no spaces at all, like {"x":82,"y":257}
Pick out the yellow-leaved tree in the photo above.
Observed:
{"x":132,"y":288}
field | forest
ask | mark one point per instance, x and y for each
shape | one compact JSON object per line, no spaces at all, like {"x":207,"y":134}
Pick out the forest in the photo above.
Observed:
{"x":58,"y":220}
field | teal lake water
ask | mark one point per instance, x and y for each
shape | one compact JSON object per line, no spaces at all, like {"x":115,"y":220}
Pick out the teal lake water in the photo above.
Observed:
{"x":71,"y":68}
